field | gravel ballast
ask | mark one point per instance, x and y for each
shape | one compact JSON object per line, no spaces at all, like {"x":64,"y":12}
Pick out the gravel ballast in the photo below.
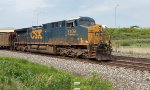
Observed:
{"x":122,"y":79}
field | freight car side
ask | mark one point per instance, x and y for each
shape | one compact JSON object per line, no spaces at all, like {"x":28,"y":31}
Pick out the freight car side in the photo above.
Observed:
{"x":6,"y":39}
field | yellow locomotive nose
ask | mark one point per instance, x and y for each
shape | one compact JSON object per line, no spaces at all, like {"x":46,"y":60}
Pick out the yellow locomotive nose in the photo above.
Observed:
{"x":95,"y":34}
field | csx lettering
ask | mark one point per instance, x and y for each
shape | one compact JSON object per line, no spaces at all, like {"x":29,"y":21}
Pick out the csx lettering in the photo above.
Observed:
{"x":36,"y":34}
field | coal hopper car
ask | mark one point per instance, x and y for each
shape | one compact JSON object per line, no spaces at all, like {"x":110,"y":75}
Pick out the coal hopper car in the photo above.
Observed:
{"x":6,"y":39}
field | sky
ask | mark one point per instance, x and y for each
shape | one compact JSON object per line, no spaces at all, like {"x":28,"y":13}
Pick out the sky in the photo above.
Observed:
{"x":25,"y":13}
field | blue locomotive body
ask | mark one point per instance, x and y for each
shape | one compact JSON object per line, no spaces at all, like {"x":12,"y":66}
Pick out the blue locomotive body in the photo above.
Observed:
{"x":74,"y":37}
{"x":67,"y":32}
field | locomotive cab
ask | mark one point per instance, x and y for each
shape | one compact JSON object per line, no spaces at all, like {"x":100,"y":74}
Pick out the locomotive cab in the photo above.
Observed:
{"x":99,"y":43}
{"x":91,"y":35}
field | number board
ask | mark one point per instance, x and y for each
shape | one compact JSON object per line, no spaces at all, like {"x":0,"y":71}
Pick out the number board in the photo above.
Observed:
{"x":72,"y":32}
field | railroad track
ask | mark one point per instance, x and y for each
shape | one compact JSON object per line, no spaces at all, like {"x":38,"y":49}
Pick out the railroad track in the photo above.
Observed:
{"x":142,"y":64}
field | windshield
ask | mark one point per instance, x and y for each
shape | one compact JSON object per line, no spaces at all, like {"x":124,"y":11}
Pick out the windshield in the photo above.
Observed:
{"x":87,"y":22}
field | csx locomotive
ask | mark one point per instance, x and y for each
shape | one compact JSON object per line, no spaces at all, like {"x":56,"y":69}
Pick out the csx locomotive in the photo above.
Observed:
{"x":78,"y":37}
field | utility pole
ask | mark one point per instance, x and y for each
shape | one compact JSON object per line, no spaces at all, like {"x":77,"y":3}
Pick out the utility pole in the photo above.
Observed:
{"x":38,"y":18}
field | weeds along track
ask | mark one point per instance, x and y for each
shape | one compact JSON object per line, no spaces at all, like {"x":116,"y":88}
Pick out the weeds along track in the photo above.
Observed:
{"x":142,"y":64}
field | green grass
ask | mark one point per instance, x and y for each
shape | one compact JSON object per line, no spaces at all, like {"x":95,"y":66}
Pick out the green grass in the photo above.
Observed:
{"x":19,"y":74}
{"x":130,"y":36}
{"x":132,"y":42}
{"x":128,"y":33}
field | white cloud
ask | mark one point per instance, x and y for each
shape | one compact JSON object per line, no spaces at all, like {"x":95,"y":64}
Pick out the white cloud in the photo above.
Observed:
{"x":20,"y":5}
{"x":20,"y":13}
{"x":96,"y":10}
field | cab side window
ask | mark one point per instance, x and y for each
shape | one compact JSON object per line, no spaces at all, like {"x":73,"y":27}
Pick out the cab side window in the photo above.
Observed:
{"x":72,"y":23}
{"x":76,"y":23}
